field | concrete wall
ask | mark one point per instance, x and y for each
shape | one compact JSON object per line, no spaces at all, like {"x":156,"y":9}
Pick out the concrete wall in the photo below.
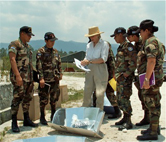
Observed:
{"x":6,"y":96}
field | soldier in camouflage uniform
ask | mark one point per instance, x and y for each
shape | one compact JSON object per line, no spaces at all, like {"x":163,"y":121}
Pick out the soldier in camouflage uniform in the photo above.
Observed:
{"x":48,"y":64}
{"x":21,"y":76}
{"x":109,"y":90}
{"x":151,"y":58}
{"x":125,"y":66}
{"x":133,"y":36}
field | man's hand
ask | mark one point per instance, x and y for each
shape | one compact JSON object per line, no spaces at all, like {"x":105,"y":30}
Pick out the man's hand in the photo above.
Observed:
{"x":42,"y":83}
{"x":125,"y":75}
{"x":19,"y":80}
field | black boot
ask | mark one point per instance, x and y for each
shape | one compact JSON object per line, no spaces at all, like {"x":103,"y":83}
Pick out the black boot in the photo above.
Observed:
{"x":52,"y":111}
{"x":42,"y":116}
{"x":27,"y":121}
{"x":145,"y":120}
{"x":148,"y":136}
{"x":15,"y":127}
{"x":127,"y":125}
{"x":116,"y":114}
{"x":149,"y":130}
{"x":123,"y":120}
{"x":151,"y":133}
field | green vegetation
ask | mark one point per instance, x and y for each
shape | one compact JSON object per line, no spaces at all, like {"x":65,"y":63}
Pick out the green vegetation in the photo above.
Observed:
{"x":3,"y":133}
{"x":74,"y":95}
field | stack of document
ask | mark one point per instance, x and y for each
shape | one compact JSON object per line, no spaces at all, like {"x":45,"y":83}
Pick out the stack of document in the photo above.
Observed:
{"x":78,"y":64}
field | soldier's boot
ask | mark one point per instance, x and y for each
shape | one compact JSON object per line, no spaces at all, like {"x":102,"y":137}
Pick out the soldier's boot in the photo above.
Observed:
{"x":117,"y":113}
{"x":52,"y":111}
{"x":15,"y":127}
{"x":149,"y":130}
{"x":152,"y":135}
{"x":145,"y":120}
{"x":127,"y":125}
{"x":42,"y":116}
{"x":122,"y":121}
{"x":27,"y":121}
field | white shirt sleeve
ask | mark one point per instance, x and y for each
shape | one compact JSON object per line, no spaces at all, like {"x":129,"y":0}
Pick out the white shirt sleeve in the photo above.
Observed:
{"x":86,"y":53}
{"x":105,"y":51}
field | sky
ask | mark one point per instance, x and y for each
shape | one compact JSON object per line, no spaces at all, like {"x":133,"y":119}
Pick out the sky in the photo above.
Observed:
{"x":70,"y":20}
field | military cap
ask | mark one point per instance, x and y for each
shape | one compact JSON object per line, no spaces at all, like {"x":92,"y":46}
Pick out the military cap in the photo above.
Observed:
{"x":50,"y":36}
{"x":27,"y":30}
{"x":133,"y":30}
{"x":118,"y":31}
{"x":145,"y":24}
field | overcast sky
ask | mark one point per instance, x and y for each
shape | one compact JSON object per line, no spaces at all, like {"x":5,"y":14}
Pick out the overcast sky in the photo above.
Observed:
{"x":70,"y":20}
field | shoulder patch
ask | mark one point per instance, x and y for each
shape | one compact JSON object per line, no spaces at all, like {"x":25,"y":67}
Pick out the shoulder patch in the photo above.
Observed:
{"x":130,"y":48}
{"x":13,"y":47}
{"x":39,"y":54}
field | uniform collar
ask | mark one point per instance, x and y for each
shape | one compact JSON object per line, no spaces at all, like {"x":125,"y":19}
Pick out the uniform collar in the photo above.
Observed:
{"x":49,"y":49}
{"x":22,"y":42}
{"x":148,"y":38}
{"x":123,"y":43}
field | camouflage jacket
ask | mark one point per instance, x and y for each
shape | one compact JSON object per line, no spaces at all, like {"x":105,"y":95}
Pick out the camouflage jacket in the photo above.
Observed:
{"x":125,"y":59}
{"x":155,"y":49}
{"x":138,"y":45}
{"x":23,"y":60}
{"x":48,"y":64}
{"x":110,"y":62}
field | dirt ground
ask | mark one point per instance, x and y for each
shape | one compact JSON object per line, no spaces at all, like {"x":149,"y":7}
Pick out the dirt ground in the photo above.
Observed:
{"x":108,"y":129}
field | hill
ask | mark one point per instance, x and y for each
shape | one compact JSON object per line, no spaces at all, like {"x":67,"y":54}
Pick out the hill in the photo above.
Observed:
{"x":61,"y":45}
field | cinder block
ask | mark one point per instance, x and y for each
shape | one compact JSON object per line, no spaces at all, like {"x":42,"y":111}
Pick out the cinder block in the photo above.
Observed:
{"x":64,"y":93}
{"x":34,"y":109}
{"x":5,"y":115}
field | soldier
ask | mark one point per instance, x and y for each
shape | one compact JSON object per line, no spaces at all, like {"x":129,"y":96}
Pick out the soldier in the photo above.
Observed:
{"x":133,"y":36}
{"x":125,"y":65}
{"x":48,"y":64}
{"x":21,"y":76}
{"x":150,"y":59}
{"x":109,"y":90}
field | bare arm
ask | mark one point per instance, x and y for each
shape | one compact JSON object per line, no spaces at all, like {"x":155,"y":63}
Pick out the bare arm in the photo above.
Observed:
{"x":12,"y":57}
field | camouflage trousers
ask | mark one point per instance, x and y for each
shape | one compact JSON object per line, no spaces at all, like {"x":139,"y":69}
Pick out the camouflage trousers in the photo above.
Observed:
{"x":111,"y":96}
{"x":152,"y":99}
{"x":124,"y":91}
{"x":140,"y":95}
{"x":53,"y":91}
{"x":21,"y":94}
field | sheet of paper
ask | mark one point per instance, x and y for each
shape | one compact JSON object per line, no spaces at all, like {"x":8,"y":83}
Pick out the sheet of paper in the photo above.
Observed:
{"x":112,"y":82}
{"x":78,"y":64}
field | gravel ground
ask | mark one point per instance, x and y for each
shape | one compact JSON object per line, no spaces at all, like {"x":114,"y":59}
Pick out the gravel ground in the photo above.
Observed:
{"x":108,"y":129}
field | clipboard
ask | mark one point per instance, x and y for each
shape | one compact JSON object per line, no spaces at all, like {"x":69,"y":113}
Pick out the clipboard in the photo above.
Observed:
{"x":151,"y":80}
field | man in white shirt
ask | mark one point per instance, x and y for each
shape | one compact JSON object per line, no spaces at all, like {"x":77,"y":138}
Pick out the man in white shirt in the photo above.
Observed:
{"x":97,"y":79}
